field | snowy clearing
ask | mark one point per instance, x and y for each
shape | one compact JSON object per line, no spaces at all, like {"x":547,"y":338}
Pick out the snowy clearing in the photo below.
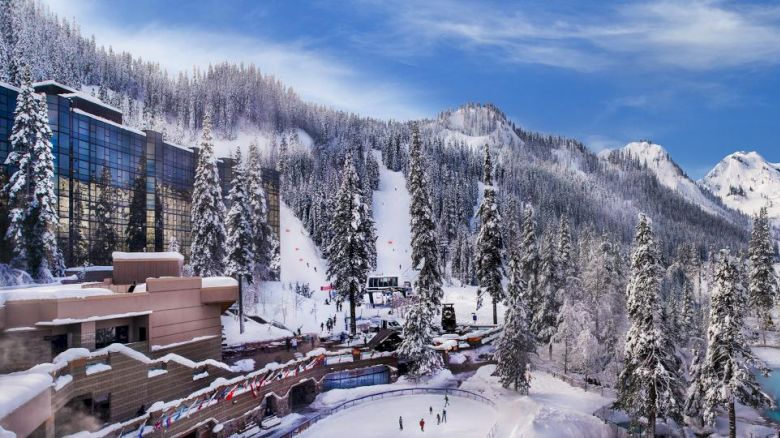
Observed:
{"x":553,"y":409}
{"x":391,"y":216}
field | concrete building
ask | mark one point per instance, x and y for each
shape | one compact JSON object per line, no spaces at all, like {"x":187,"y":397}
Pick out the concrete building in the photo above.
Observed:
{"x":142,"y":351}
{"x":88,"y":135}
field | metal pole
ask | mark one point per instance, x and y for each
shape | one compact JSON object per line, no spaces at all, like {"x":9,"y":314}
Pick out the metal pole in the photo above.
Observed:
{"x":240,"y":304}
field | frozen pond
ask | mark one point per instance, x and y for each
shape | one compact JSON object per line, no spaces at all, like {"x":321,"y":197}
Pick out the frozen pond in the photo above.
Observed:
{"x":379,"y":418}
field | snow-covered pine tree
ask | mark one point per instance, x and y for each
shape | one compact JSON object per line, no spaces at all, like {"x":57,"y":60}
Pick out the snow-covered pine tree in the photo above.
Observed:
{"x":372,"y":172}
{"x":34,"y":220}
{"x":78,"y":241}
{"x":105,"y":236}
{"x":425,"y":251}
{"x":135,"y":232}
{"x":565,"y":260}
{"x":688,"y":318}
{"x":516,"y":342}
{"x":490,"y":245}
{"x":240,"y":255}
{"x":529,"y":264}
{"x":259,"y":213}
{"x":416,"y":347}
{"x":207,"y":253}
{"x":348,"y":252}
{"x":544,"y":321}
{"x":649,"y":385}
{"x":762,"y":282}
{"x":727,"y":374}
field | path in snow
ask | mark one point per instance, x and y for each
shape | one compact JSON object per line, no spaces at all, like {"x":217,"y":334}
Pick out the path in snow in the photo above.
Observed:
{"x":391,"y":217}
{"x":465,"y":418}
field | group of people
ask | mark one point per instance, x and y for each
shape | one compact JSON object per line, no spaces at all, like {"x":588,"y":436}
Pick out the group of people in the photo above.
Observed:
{"x":441,"y":417}
{"x":330,"y":324}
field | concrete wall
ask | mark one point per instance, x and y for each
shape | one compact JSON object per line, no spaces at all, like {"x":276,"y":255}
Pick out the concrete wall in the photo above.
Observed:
{"x":29,"y":416}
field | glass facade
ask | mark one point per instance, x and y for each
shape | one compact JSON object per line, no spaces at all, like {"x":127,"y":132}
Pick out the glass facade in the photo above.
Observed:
{"x":83,"y":144}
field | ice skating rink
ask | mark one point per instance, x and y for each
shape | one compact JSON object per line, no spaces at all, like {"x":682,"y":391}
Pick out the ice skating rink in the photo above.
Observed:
{"x":379,"y":418}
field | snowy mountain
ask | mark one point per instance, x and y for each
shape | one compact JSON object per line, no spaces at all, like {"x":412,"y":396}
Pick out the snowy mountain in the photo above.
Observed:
{"x":474,"y":125}
{"x":746,"y":181}
{"x":668,"y":173}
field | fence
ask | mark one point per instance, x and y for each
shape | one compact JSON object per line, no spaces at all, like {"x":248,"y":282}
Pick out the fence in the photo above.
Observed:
{"x":297,"y":430}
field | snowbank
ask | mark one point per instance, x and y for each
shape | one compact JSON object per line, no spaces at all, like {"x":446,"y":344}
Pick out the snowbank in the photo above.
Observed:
{"x":18,"y":389}
{"x":553,"y":409}
{"x":253,"y":331}
{"x":218,"y":282}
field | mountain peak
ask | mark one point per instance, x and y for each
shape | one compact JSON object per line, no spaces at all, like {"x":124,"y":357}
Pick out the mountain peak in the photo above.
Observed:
{"x":746,"y":181}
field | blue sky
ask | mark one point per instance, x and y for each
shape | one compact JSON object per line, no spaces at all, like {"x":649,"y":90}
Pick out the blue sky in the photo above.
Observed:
{"x":699,"y":77}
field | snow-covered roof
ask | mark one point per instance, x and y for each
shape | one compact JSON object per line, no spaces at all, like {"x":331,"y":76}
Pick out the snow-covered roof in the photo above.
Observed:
{"x":169,"y":255}
{"x":55,"y":83}
{"x":65,"y":321}
{"x":9,"y":86}
{"x":219,"y":282}
{"x":100,"y":119}
{"x":91,"y":99}
{"x":51,"y":292}
{"x":18,"y":389}
{"x":178,"y":146}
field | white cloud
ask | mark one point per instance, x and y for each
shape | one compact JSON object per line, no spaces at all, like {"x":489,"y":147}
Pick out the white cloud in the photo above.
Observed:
{"x":315,"y":76}
{"x":690,"y":35}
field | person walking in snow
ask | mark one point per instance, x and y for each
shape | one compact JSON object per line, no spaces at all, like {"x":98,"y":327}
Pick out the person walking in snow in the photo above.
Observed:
{"x":438,"y":419}
{"x":430,"y":410}
{"x":444,"y":415}
{"x":401,"y":423}
{"x":446,"y":400}
{"x":422,"y":424}
{"x":322,"y":326}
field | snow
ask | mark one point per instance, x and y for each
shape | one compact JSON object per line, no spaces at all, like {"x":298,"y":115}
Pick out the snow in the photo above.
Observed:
{"x":18,"y":389}
{"x":553,"y":409}
{"x":179,"y":344}
{"x":52,"y":82}
{"x":9,"y":86}
{"x":199,"y":376}
{"x":98,"y":368}
{"x":301,"y":260}
{"x":391,"y":218}
{"x":759,"y":179}
{"x":6,"y":433}
{"x":156,"y":372}
{"x":65,"y":321}
{"x":244,"y":365}
{"x":62,"y":381}
{"x":253,"y":331}
{"x":218,"y":428}
{"x":380,"y":418}
{"x":218,"y":282}
{"x":50,"y":292}
{"x":172,"y":255}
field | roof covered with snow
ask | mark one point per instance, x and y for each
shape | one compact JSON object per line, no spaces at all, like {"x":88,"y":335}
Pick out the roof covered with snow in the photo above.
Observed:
{"x":50,"y":292}
{"x":109,"y":122}
{"x":18,"y":389}
{"x":169,"y":255}
{"x":90,"y":99}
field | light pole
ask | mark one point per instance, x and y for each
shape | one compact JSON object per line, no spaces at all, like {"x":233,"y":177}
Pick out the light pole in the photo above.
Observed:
{"x":240,"y":304}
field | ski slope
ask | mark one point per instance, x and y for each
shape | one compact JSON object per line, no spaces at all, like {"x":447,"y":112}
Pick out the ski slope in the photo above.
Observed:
{"x":391,"y":218}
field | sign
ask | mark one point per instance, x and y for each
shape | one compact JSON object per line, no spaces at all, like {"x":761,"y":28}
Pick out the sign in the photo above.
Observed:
{"x":326,"y":287}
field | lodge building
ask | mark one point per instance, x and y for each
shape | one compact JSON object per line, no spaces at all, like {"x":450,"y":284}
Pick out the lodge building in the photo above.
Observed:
{"x":88,"y":134}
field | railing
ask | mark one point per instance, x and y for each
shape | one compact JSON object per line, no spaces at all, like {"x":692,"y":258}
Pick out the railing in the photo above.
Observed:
{"x":300,"y":428}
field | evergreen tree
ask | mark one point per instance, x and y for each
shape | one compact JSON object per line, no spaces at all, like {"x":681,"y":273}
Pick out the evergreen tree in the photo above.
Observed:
{"x":207,"y":253}
{"x":348,"y":253}
{"x":649,"y":385}
{"x":544,"y":321}
{"x":135,"y":233}
{"x":516,"y":342}
{"x":727,"y":374}
{"x":529,"y":264}
{"x":762,"y":281}
{"x":33,"y":217}
{"x":78,"y":241}
{"x":105,"y":236}
{"x":240,"y":257}
{"x":418,"y":327}
{"x":423,"y":231}
{"x":490,"y":246}
{"x":372,"y":172}
{"x":261,"y":231}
